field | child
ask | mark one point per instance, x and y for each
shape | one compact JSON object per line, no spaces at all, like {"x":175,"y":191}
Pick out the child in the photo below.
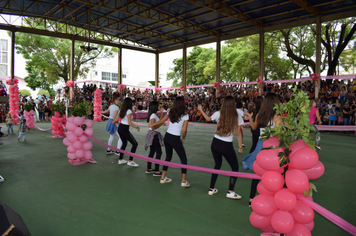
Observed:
{"x":22,"y":130}
{"x":9,"y":124}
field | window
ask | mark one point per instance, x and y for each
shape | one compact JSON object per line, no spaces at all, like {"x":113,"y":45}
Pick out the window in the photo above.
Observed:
{"x":105,"y":75}
{"x":94,"y":73}
{"x":3,"y":44}
{"x":3,"y":70}
{"x":114,"y":76}
{"x":124,"y":76}
{"x":4,"y":57}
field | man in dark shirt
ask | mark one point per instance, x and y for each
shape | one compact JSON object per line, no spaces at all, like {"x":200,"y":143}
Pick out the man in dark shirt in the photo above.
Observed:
{"x":347,"y":114}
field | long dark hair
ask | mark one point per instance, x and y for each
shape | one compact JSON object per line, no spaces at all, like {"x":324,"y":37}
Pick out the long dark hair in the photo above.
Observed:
{"x":153,"y":108}
{"x":126,"y":105}
{"x":267,"y":112}
{"x":178,"y":110}
{"x":258,"y":102}
{"x":228,"y":117}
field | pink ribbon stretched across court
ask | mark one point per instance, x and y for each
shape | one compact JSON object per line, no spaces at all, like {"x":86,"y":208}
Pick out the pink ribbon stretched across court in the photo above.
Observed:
{"x":177,"y":165}
{"x":329,"y":215}
{"x":43,"y":129}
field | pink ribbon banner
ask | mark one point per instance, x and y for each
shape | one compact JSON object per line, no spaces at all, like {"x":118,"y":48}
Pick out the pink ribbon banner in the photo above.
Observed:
{"x":43,"y":129}
{"x":336,"y":127}
{"x":329,"y":215}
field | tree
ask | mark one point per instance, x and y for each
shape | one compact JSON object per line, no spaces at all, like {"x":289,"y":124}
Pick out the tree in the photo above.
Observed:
{"x":25,"y":92}
{"x":48,"y":58}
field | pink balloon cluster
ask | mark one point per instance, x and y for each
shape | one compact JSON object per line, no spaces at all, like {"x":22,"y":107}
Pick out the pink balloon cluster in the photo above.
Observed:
{"x":97,"y":105}
{"x":30,"y":119}
{"x":58,"y":124}
{"x":122,"y":86}
{"x":276,"y":208}
{"x":78,"y":145}
{"x":14,"y":102}
{"x":157,"y":90}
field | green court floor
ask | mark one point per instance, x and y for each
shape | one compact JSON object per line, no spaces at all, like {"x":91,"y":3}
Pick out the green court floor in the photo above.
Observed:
{"x":57,"y":199}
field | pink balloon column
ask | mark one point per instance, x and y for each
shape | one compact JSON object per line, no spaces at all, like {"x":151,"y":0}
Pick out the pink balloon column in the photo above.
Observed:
{"x":58,"y":124}
{"x":276,"y":208}
{"x":78,"y":144}
{"x":30,"y":119}
{"x":97,"y":105}
{"x":14,"y":99}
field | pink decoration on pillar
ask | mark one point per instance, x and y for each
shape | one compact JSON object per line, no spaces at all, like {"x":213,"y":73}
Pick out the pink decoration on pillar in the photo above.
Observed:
{"x":70,"y":83}
{"x":77,"y":141}
{"x":157,"y":90}
{"x":122,"y":86}
{"x":30,"y":119}
{"x":97,"y":105}
{"x":181,"y":87}
{"x":14,"y":99}
{"x":259,"y":80}
{"x":58,"y":124}
{"x":215,"y":85}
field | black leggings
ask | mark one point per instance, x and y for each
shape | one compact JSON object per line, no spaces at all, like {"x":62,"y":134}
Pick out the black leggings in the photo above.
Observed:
{"x":173,"y":142}
{"x":125,"y":136}
{"x":221,"y":148}
{"x":155,"y":148}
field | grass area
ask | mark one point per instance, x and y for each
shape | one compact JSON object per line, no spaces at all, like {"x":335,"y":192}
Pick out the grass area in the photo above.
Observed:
{"x":55,"y":198}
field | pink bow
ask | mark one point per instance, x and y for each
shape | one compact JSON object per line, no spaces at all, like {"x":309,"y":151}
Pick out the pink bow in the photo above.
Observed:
{"x":157,"y":90}
{"x":181,"y":87}
{"x":216,"y":85}
{"x":70,"y":83}
{"x":122,"y":86}
{"x":259,"y":80}
{"x":315,"y":77}
{"x":13,"y":81}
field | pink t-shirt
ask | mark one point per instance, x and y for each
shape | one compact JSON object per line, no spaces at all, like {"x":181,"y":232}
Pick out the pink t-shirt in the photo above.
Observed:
{"x":312,"y":115}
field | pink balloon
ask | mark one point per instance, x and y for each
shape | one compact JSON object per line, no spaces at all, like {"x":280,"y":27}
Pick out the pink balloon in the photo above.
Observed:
{"x":57,"y":114}
{"x":77,"y":145}
{"x":296,"y":181}
{"x":89,"y":131}
{"x":71,"y":137}
{"x":83,"y":139}
{"x":257,"y":169}
{"x":89,"y":123}
{"x":304,"y":158}
{"x":71,"y":126}
{"x":264,"y":205}
{"x":316,"y":172}
{"x":285,"y":200}
{"x":78,"y":121}
{"x":55,"y":128}
{"x":54,"y":132}
{"x":282,"y":222}
{"x":302,"y":213}
{"x":79,"y":153}
{"x":259,"y":221}
{"x":54,"y":119}
{"x":299,"y":230}
{"x":310,"y":226}
{"x":87,"y":146}
{"x":299,"y":144}
{"x":78,"y":131}
{"x":272,"y":181}
{"x":59,"y":124}
{"x":71,"y":156}
{"x":70,"y":119}
{"x":268,"y":159}
{"x":268,"y":229}
{"x":66,"y":142}
{"x":71,"y":149}
{"x":88,"y":155}
{"x":262,"y":190}
{"x":272,"y":141}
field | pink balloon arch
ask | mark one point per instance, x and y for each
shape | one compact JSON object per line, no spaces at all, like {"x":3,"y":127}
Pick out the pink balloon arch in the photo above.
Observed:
{"x":58,"y":124}
{"x":276,"y":208}
{"x":30,"y":118}
{"x":77,"y":142}
{"x":14,"y":99}
{"x":97,"y":105}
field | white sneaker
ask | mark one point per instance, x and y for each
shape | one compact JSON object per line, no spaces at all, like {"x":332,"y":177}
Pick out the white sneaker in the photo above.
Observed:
{"x":1,"y":179}
{"x":185,"y":184}
{"x":117,"y":153}
{"x":165,"y":180}
{"x":233,"y":195}
{"x":213,"y":191}
{"x":132,"y":163}
{"x":120,"y":162}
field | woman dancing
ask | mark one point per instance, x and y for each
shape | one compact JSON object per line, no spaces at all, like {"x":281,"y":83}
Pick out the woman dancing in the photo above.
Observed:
{"x":228,"y":122}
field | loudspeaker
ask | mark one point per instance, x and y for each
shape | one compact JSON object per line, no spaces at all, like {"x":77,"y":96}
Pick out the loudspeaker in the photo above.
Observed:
{"x":11,"y":223}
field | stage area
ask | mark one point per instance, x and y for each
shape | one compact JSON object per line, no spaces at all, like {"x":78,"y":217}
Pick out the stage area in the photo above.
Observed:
{"x":55,"y":198}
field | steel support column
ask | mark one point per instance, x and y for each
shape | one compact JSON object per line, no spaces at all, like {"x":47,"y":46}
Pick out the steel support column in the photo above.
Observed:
{"x":119,"y":71}
{"x":72,"y":55}
{"x":12,"y":62}
{"x":157,"y":70}
{"x":262,"y":62}
{"x":317,"y":54}
{"x":184,"y":68}
{"x":218,"y":60}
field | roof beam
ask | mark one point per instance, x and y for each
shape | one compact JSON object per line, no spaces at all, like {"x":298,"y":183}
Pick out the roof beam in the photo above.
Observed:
{"x":304,"y":4}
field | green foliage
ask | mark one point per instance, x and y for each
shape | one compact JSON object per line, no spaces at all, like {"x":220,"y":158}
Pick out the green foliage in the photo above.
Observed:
{"x":81,"y":109}
{"x":43,"y":92}
{"x":28,"y":107}
{"x":60,"y":107}
{"x":25,"y":92}
{"x":295,"y":125}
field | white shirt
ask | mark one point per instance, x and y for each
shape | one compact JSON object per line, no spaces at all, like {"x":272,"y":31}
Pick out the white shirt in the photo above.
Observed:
{"x":124,"y":120}
{"x":240,"y":112}
{"x":154,"y":116}
{"x":112,"y":109}
{"x":216,"y":117}
{"x":176,"y":128}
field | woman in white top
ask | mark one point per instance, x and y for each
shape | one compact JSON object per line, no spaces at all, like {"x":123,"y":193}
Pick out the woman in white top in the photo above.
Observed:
{"x":112,"y":126}
{"x":124,"y":132}
{"x":178,"y":119}
{"x":228,"y":122}
{"x":154,"y":139}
